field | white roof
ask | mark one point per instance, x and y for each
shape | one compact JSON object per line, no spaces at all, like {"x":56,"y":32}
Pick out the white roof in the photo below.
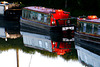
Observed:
{"x":90,"y":20}
{"x":40,"y":9}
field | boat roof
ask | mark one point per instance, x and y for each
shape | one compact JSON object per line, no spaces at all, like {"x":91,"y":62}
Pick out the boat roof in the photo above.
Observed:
{"x":90,"y":20}
{"x":40,"y":9}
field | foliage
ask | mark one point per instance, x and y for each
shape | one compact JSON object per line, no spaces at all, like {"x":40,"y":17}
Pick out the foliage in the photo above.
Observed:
{"x":72,"y":55}
{"x":10,"y":44}
{"x":48,"y":54}
{"x":76,"y":7}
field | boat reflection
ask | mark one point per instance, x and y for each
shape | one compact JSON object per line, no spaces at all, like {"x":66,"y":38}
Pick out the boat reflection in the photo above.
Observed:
{"x":44,"y":42}
{"x":88,"y":54}
{"x":9,"y":33}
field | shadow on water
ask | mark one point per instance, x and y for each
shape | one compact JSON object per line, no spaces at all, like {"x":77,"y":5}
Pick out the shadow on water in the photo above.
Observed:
{"x":10,"y":38}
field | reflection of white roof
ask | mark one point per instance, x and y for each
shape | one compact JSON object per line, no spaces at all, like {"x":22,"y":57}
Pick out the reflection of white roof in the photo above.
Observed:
{"x":88,"y":57}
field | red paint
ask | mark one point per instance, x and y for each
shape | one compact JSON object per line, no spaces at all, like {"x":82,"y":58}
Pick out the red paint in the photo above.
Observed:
{"x":59,"y":14}
{"x":54,"y":14}
{"x":62,"y":49}
{"x":92,"y":17}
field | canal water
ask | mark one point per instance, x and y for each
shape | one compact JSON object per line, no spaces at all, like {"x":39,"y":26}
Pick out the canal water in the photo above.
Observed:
{"x":18,"y":48}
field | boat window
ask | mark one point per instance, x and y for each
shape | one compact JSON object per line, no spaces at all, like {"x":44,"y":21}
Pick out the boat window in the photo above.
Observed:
{"x":98,"y":29}
{"x":23,"y":13}
{"x":81,"y":27}
{"x":95,"y":28}
{"x":35,"y":15}
{"x":26,"y":13}
{"x":48,"y":20}
{"x":84,"y":27}
{"x":31,"y":15}
{"x":78,"y":26}
{"x":89,"y":28}
{"x":98,"y":26}
{"x":45,"y":18}
{"x":42,"y":17}
{"x":92,"y":28}
{"x":39,"y":17}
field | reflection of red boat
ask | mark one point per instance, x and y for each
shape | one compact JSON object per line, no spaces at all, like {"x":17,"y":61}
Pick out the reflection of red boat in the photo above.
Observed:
{"x":44,"y":42}
{"x":61,"y":47}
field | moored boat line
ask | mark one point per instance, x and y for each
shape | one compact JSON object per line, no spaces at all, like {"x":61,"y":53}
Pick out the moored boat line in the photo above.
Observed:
{"x":88,"y":29}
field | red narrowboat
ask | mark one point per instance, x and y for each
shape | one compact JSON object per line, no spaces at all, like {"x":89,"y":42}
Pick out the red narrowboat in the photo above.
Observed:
{"x":44,"y":42}
{"x":46,"y":20}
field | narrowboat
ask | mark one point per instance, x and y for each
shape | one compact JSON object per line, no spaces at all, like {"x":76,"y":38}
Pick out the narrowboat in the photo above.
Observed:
{"x":44,"y":42}
{"x":9,"y":33}
{"x":88,"y":29}
{"x":5,"y":6}
{"x":46,"y":19}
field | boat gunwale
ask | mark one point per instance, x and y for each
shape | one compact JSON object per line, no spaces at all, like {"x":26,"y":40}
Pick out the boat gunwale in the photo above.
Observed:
{"x":89,"y":35}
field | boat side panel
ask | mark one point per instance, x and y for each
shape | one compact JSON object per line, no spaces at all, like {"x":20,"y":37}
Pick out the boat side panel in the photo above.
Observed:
{"x":37,"y":41}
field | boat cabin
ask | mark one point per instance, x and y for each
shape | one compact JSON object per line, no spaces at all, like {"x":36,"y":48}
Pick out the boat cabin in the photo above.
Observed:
{"x":5,"y":6}
{"x":89,"y":25}
{"x":45,"y":16}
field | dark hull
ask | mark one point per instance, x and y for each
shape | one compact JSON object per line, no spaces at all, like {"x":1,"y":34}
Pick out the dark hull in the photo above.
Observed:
{"x":34,"y":27}
{"x":13,"y":14}
{"x":89,"y":38}
{"x":89,"y":45}
{"x":55,"y":35}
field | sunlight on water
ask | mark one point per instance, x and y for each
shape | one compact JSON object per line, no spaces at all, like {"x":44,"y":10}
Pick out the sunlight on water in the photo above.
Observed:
{"x":8,"y":59}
